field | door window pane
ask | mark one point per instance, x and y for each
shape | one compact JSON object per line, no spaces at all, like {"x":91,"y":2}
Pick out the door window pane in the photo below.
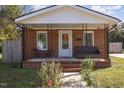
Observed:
{"x":65,"y":41}
{"x":42,"y":41}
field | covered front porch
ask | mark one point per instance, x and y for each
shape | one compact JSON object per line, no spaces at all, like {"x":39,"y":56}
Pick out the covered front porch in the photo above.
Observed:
{"x":66,"y":40}
{"x":68,"y":44}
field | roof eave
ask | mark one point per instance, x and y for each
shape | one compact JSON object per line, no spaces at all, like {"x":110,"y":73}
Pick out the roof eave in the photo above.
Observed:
{"x":116,"y":19}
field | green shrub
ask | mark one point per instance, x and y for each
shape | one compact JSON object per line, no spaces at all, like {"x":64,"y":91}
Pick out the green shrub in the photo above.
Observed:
{"x":87,"y":67}
{"x":50,"y":74}
{"x":87,"y":64}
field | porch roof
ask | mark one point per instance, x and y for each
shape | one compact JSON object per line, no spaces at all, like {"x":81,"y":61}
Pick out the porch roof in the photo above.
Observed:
{"x":67,"y":26}
{"x":66,"y":15}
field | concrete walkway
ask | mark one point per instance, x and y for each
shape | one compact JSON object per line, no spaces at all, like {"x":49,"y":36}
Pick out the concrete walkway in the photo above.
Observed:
{"x":117,"y":55}
{"x":73,"y":80}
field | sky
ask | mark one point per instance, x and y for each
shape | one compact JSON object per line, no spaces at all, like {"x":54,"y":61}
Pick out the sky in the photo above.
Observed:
{"x":113,"y":10}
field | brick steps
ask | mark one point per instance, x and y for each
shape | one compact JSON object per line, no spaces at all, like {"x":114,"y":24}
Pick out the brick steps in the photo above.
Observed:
{"x":71,"y":67}
{"x":71,"y":70}
{"x":68,"y":66}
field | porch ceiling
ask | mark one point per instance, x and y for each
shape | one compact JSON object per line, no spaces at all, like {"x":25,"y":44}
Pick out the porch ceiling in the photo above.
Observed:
{"x":66,"y":26}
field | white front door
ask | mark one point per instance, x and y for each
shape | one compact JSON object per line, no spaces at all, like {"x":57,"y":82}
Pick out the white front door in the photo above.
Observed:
{"x":65,"y":43}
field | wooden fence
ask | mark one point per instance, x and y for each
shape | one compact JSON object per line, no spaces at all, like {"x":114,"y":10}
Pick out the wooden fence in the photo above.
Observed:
{"x":11,"y":51}
{"x":115,"y":47}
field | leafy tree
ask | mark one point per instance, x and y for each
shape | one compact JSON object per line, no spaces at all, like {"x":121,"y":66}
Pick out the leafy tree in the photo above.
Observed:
{"x":8,"y":13}
{"x":9,"y":32}
{"x":117,"y":34}
{"x":7,"y":25}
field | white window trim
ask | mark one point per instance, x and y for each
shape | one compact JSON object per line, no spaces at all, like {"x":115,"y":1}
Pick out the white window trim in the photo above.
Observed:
{"x":84,"y":38}
{"x":46,"y":39}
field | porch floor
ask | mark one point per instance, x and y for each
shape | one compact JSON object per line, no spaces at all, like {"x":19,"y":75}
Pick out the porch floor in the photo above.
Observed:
{"x":64,"y":59}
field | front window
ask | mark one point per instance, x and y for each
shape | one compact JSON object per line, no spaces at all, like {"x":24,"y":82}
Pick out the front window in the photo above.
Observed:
{"x":42,"y":40}
{"x":88,"y":38}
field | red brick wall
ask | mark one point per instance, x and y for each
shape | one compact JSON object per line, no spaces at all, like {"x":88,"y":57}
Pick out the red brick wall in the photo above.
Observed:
{"x":77,"y":34}
{"x":30,"y":43}
{"x":100,"y":41}
{"x":53,"y":42}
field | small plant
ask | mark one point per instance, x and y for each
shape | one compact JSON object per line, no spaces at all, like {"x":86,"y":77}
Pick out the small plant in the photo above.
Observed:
{"x":87,"y":67}
{"x":88,"y":64}
{"x":50,"y":74}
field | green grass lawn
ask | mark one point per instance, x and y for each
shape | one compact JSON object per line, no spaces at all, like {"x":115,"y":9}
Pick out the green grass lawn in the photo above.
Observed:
{"x":111,"y":77}
{"x":117,"y":60}
{"x":17,"y":77}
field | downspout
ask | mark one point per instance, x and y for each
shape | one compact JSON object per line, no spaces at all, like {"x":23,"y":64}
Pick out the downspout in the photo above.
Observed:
{"x":105,"y":44}
{"x":82,"y":33}
{"x":86,"y":36}
{"x":23,"y":46}
{"x":47,"y":36}
{"x":51,"y":40}
{"x":107,"y":33}
{"x":24,"y":42}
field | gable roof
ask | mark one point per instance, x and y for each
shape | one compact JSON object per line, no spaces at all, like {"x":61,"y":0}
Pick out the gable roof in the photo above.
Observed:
{"x":37,"y":10}
{"x":49,"y":8}
{"x":99,"y":13}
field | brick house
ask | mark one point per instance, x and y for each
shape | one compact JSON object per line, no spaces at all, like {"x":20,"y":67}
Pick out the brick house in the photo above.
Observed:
{"x":66,"y":33}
